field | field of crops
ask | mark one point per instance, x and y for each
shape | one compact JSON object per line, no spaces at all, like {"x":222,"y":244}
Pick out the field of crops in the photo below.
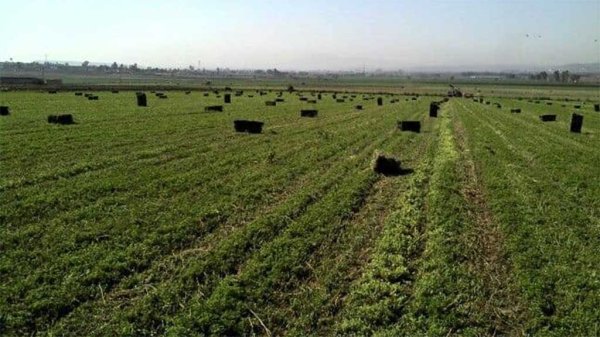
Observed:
{"x":162,"y":220}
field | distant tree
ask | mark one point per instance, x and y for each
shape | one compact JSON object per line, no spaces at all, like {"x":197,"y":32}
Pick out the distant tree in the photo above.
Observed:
{"x":85,"y":64}
{"x":564,"y":76}
{"x":133,"y":67}
{"x":556,"y":76}
{"x":191,"y":68}
{"x":543,"y":76}
{"x":114,"y":66}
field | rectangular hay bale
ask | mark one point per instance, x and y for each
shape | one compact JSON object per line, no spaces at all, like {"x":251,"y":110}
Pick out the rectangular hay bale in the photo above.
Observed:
{"x":413,"y":126}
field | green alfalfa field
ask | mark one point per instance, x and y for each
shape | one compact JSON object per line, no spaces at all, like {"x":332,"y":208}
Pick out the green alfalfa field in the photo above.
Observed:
{"x":162,"y":220}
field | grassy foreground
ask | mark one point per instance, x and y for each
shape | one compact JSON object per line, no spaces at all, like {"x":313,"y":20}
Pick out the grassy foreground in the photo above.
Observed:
{"x":164,"y":221}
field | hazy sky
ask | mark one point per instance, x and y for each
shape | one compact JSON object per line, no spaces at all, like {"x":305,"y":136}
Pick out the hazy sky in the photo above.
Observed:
{"x":296,"y":34}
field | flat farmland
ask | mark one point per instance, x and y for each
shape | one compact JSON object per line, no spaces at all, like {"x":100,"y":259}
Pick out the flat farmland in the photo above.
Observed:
{"x":162,"y":220}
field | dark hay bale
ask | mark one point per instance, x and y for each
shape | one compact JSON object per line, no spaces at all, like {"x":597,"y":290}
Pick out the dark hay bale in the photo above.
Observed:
{"x":358,"y":107}
{"x":488,"y":103}
{"x":115,"y":91}
{"x":248,"y":126}
{"x":386,"y":165}
{"x":597,"y":107}
{"x":65,"y":119}
{"x":270,"y":103}
{"x":158,"y":94}
{"x":52,"y":91}
{"x":576,"y":123}
{"x":205,"y":94}
{"x":548,"y":103}
{"x":339,"y":100}
{"x":227,"y":89}
{"x":577,"y":106}
{"x":413,"y":98}
{"x":239,"y":93}
{"x":213,"y":108}
{"x":515,"y":111}
{"x":548,"y":118}
{"x":480,"y":99}
{"x":4,"y":111}
{"x":319,"y":96}
{"x":279,"y":100}
{"x":141,"y":99}
{"x":92,"y":98}
{"x":87,"y":95}
{"x":413,"y":126}
{"x":78,"y":94}
{"x":303,"y":99}
{"x":188,"y":92}
{"x":309,"y":113}
{"x":163,"y":96}
{"x":379,"y":101}
{"x":433,"y":109}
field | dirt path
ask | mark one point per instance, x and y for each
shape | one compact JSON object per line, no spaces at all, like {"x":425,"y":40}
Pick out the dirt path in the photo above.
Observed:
{"x":489,"y":259}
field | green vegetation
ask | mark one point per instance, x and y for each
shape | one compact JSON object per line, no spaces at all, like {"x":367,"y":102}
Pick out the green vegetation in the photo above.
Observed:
{"x":164,"y":221}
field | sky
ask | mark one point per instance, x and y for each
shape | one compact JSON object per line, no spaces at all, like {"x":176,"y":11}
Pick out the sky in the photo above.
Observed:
{"x":303,"y":35}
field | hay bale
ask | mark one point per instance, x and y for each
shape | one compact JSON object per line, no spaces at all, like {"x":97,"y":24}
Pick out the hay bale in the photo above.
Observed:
{"x":548,"y":118}
{"x":358,"y":107}
{"x":433,"y":109}
{"x":64,"y":119}
{"x":115,"y":91}
{"x":163,"y":96}
{"x":78,"y":94}
{"x":379,"y":101}
{"x":515,"y":111}
{"x":4,"y":111}
{"x":92,"y":98}
{"x":205,"y":94}
{"x":52,"y":91}
{"x":413,"y":98}
{"x":386,"y":165}
{"x":213,"y":108}
{"x":548,"y":103}
{"x":597,"y":107}
{"x":576,"y":123}
{"x":309,"y":113}
{"x":303,"y":99}
{"x":141,"y":99}
{"x":339,"y":100}
{"x":188,"y":92}
{"x":413,"y":126}
{"x":319,"y":96}
{"x":239,"y":93}
{"x":577,"y":106}
{"x":279,"y":100}
{"x":247,"y":126}
{"x":270,"y":103}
